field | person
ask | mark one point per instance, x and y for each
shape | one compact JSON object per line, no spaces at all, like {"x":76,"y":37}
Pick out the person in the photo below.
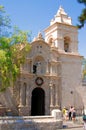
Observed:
{"x":65,"y":113}
{"x":84,"y":120}
{"x":70,"y":113}
{"x":84,"y":125}
{"x":73,"y":114}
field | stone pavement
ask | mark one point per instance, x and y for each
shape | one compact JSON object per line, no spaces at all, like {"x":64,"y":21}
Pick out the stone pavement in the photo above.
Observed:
{"x":70,"y":125}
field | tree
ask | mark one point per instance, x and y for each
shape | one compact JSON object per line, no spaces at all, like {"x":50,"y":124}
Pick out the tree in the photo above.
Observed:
{"x":4,"y":22}
{"x":82,"y":17}
{"x":13,"y":49}
{"x":84,"y":68}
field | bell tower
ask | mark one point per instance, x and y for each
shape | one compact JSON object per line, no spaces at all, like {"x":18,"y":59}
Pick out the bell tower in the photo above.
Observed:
{"x":61,"y":34}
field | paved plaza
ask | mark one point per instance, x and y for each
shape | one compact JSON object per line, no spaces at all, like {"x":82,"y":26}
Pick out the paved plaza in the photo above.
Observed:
{"x":70,"y":125}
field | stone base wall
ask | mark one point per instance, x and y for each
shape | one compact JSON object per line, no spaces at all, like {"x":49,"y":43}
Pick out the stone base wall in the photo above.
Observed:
{"x":30,"y":123}
{"x":23,"y":111}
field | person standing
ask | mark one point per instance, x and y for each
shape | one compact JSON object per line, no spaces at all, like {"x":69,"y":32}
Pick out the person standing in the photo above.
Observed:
{"x":63,"y":112}
{"x":70,"y":113}
{"x":84,"y":125}
{"x":73,"y":114}
{"x":84,"y":120}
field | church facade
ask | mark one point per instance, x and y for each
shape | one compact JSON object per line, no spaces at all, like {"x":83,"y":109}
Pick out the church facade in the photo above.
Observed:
{"x":52,"y":72}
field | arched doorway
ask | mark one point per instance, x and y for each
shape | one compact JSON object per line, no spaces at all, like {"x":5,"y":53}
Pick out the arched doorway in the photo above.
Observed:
{"x":38,"y":102}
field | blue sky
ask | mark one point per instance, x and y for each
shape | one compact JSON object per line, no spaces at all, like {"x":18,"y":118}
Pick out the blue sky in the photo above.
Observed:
{"x":35,"y":15}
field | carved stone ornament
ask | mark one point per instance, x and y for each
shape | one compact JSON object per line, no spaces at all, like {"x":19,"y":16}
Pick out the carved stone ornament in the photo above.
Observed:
{"x":39,"y":81}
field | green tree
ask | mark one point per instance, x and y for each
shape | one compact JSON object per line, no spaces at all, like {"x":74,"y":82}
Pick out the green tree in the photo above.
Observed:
{"x":13,"y":50}
{"x":84,"y":68}
{"x":82,"y":17}
{"x":5,"y":22}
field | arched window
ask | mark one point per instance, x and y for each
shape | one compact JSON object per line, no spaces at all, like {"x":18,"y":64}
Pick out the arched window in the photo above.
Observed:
{"x":66,"y":44}
{"x":66,"y":47}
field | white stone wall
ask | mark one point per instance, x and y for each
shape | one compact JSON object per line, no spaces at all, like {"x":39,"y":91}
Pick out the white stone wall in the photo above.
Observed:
{"x":30,"y":123}
{"x":71,"y":80}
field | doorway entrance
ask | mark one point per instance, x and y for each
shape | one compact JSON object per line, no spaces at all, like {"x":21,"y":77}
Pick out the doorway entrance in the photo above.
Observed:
{"x":38,"y":102}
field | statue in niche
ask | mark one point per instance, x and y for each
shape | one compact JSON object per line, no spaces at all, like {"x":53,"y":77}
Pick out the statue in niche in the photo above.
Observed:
{"x":38,"y":67}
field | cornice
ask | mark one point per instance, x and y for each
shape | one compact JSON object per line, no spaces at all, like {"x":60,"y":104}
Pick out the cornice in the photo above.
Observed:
{"x":58,"y":27}
{"x":40,"y":42}
{"x":70,"y":54}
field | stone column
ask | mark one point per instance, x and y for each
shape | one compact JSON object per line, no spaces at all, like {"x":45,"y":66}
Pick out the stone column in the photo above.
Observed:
{"x":56,"y":96}
{"x":51,"y":95}
{"x":27,"y":96}
{"x":21,"y":96}
{"x":47,"y":69}
{"x":31,"y":67}
{"x":51,"y":71}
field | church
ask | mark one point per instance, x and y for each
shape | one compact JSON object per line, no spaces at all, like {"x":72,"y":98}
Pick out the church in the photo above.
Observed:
{"x":52,"y":73}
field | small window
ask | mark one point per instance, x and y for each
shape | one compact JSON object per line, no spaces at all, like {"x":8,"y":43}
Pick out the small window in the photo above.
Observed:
{"x":34,"y":69}
{"x":66,"y":47}
{"x":67,"y":44}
